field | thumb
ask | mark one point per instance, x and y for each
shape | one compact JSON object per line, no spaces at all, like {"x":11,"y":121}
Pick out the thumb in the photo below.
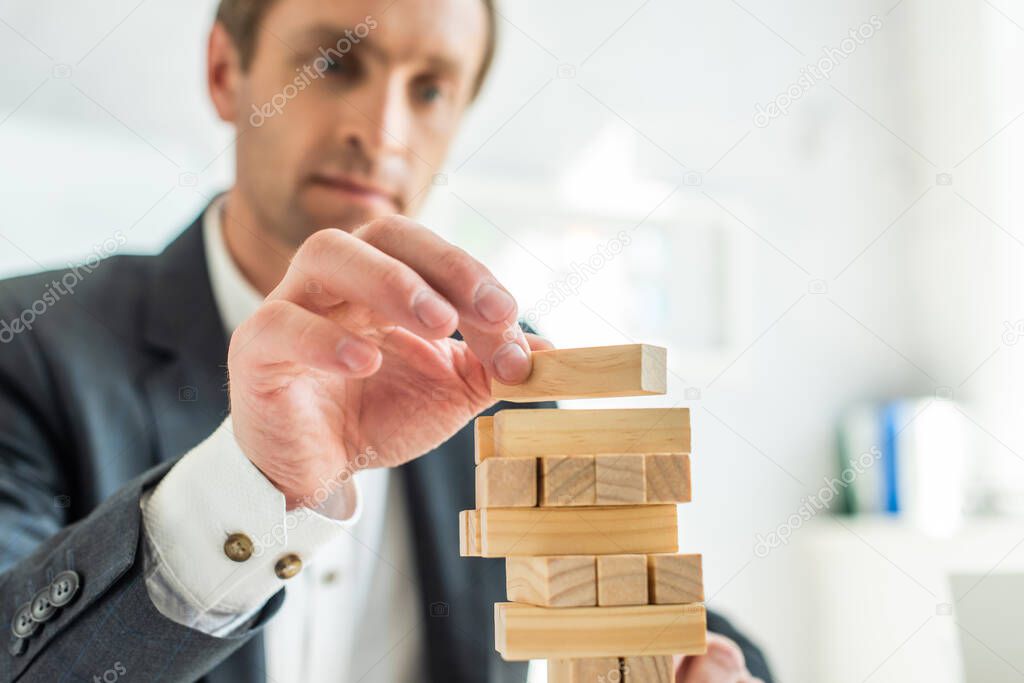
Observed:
{"x":723,"y":662}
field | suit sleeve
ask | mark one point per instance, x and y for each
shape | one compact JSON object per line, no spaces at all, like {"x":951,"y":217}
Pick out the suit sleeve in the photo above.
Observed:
{"x":85,"y":580}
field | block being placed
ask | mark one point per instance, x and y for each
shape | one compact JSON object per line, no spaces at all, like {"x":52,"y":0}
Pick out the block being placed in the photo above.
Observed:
{"x":578,"y":530}
{"x":506,"y":482}
{"x":675,"y":579}
{"x":566,"y":481}
{"x":620,"y":479}
{"x":543,"y":431}
{"x":595,"y":670}
{"x":525,"y":632}
{"x":469,"y":533}
{"x":483,"y":438}
{"x":593,"y":372}
{"x":621,"y":580}
{"x":561,"y":581}
{"x":647,"y":669}
{"x":667,"y":477}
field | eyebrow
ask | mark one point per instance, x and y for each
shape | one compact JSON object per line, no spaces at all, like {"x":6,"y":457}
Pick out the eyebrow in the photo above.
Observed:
{"x":443,"y":65}
{"x":328,"y":36}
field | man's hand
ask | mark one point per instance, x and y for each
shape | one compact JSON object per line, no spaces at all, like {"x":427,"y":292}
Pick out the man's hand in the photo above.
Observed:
{"x":722,"y":663}
{"x":351,"y":352}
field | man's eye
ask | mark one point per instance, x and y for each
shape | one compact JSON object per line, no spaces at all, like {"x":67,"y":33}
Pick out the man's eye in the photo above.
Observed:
{"x":346,"y":68}
{"x":428,"y":92}
{"x":338,"y":66}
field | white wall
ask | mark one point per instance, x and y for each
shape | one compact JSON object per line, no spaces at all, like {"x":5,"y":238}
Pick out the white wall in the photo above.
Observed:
{"x":831,"y":283}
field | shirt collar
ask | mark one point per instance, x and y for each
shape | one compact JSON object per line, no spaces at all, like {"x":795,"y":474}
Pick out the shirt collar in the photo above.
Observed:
{"x":236,"y":299}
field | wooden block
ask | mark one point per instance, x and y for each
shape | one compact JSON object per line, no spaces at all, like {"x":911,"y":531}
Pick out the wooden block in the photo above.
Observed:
{"x":506,"y":482}
{"x":566,"y":480}
{"x":594,"y":670}
{"x":578,"y":531}
{"x":593,"y":372}
{"x":464,"y":533}
{"x":565,"y":581}
{"x":542,"y":431}
{"x":621,"y":580}
{"x":483,"y":438}
{"x":620,"y":479}
{"x":469,"y":533}
{"x":667,"y":477}
{"x":675,"y":579}
{"x":527,"y":632}
{"x":648,"y":669}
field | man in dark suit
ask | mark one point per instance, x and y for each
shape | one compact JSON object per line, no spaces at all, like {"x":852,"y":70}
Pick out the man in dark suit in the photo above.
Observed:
{"x":152,"y":514}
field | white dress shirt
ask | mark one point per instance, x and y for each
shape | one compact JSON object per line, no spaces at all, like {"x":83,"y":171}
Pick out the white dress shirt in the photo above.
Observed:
{"x":353,"y":613}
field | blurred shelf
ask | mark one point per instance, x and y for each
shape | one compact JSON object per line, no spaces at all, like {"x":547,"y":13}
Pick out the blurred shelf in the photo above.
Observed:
{"x":885,"y":599}
{"x":978,"y":542}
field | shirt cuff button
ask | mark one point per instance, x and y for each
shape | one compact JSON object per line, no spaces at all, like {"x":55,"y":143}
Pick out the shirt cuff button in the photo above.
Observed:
{"x":288,"y":566}
{"x":238,"y":547}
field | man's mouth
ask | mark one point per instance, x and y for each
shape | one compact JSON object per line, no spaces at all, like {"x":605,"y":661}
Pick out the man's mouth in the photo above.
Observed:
{"x":357,"y":191}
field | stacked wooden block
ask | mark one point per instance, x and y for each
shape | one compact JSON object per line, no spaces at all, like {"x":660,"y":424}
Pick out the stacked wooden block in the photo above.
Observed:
{"x":582,"y":504}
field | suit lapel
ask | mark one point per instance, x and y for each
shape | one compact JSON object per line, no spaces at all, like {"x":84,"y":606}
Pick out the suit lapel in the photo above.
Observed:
{"x":436,"y":489}
{"x":456,"y":593}
{"x":186,"y":386}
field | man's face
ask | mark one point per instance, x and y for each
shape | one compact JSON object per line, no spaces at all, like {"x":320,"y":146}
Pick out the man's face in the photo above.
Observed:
{"x":347,"y":110}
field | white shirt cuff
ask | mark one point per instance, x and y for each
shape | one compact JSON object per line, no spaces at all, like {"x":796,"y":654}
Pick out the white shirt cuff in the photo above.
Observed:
{"x":215,"y":491}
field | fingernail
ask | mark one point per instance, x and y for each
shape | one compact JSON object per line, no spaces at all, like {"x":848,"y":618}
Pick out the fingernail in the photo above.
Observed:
{"x":431,"y":309}
{"x":493,"y":303}
{"x":511,"y":363}
{"x":355,"y":355}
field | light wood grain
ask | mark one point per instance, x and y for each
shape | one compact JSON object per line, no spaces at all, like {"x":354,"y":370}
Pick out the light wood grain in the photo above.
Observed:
{"x":506,"y":482}
{"x":483,"y":438}
{"x":621,"y":580}
{"x":656,"y":669}
{"x":667,"y":478}
{"x":542,"y":431}
{"x":566,"y":481}
{"x":578,"y":531}
{"x":620,"y":479}
{"x":565,"y":581}
{"x":593,"y":372}
{"x":469,"y":533}
{"x":527,"y":632}
{"x":593,"y":670}
{"x":675,"y":579}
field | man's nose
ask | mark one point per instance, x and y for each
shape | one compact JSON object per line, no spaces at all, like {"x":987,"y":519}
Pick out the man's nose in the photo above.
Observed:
{"x":378,"y":119}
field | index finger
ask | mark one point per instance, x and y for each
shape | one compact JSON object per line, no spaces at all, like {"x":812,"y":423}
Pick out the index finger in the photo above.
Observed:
{"x":487,"y":311}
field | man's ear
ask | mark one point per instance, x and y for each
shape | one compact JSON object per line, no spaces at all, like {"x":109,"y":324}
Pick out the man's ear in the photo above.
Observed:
{"x":223,"y":73}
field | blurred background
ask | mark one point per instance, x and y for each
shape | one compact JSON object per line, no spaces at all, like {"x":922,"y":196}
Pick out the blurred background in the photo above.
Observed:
{"x":811,"y":205}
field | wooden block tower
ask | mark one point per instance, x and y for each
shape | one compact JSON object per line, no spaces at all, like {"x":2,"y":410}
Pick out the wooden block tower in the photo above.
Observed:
{"x":582,"y":504}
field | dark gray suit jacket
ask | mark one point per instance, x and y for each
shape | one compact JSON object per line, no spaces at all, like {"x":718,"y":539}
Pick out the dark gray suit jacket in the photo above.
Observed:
{"x":110,"y":386}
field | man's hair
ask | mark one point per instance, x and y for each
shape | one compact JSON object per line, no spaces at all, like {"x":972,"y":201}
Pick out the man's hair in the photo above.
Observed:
{"x":241,"y":19}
